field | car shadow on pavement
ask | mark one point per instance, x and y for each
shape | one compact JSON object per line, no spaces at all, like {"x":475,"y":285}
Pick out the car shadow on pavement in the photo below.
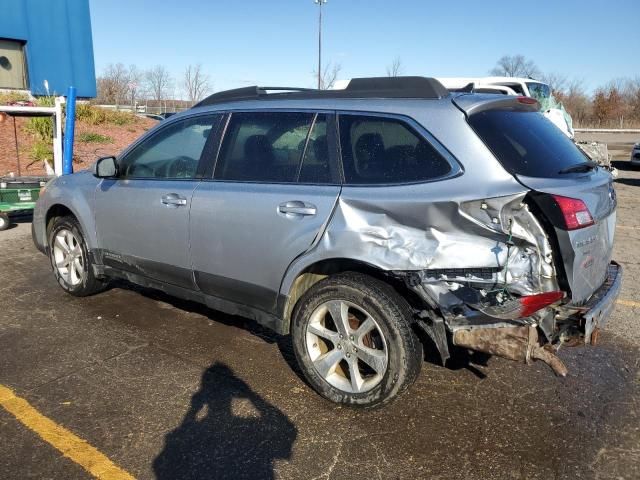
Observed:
{"x":22,"y":218}
{"x":460,"y":358}
{"x":624,"y":165}
{"x":229,"y":431}
{"x":14,"y":220}
{"x":632,"y":182}
{"x":251,"y":326}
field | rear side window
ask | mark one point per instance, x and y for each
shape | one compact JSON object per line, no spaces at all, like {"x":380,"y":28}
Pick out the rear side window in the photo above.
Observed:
{"x":315,"y":164}
{"x":279,"y":147}
{"x":526,"y":143}
{"x":378,"y":150}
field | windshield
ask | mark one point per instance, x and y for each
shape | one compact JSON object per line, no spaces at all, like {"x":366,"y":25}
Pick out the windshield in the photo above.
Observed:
{"x":526,"y":143}
{"x":539,"y":91}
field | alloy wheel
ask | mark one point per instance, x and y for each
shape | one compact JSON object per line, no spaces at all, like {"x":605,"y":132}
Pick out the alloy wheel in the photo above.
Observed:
{"x":68,"y":257}
{"x":346,"y":346}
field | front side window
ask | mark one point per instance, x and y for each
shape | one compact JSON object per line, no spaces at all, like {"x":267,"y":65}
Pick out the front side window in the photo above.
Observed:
{"x":173,"y":152}
{"x":279,"y":147}
{"x":13,"y":73}
{"x":386,"y":150}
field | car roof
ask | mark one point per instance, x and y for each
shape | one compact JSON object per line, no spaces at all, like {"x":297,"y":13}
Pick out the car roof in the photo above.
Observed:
{"x":373,"y":87}
{"x":407,"y":107}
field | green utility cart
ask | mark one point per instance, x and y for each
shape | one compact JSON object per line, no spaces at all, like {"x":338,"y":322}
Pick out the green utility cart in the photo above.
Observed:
{"x":18,"y":195}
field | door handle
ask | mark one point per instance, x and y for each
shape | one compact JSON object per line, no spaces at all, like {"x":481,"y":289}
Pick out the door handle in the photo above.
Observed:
{"x":296,"y":208}
{"x":173,"y":200}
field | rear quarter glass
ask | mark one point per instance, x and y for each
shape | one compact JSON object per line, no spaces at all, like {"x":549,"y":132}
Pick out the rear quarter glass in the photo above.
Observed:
{"x":526,"y":143}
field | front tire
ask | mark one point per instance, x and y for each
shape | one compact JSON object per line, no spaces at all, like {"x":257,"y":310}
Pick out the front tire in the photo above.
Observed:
{"x":70,"y":258}
{"x":4,"y":221}
{"x":353,"y":340}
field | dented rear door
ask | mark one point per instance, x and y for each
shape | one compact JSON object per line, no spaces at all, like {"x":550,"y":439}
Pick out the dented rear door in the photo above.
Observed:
{"x":257,"y":215}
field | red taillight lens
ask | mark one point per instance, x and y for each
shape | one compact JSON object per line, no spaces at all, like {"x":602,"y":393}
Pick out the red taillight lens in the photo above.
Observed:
{"x":527,"y":100}
{"x":530,"y":304}
{"x":575,"y":212}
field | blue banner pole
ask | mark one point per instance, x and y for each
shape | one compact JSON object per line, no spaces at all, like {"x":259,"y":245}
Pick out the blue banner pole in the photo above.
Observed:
{"x":69,"y":127}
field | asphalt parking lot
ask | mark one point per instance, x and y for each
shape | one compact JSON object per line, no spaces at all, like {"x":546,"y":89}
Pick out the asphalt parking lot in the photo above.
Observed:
{"x":169,"y":389}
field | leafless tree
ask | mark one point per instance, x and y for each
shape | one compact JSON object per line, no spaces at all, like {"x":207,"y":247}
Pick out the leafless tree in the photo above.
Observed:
{"x":196,"y":83}
{"x":632,"y":96}
{"x":329,"y":75}
{"x":515,"y":66}
{"x":395,"y":69}
{"x":136,"y":78}
{"x":558,"y":82}
{"x":113,"y":84}
{"x":572,"y":95}
{"x":119,"y":84}
{"x":159,"y":82}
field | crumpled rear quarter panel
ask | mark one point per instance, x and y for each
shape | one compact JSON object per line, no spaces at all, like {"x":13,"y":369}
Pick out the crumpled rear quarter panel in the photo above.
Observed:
{"x":439,"y":224}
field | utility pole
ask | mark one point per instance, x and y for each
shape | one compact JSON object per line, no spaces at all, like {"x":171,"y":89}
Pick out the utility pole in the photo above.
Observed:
{"x":319,"y":3}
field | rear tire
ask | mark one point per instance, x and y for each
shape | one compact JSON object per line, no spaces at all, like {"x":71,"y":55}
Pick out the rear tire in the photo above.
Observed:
{"x":4,"y":221}
{"x":70,"y":260}
{"x":369,"y":354}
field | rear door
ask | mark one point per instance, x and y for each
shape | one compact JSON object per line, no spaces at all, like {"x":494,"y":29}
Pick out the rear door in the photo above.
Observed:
{"x":142,"y":217}
{"x":274,"y":187}
{"x":576,"y":197}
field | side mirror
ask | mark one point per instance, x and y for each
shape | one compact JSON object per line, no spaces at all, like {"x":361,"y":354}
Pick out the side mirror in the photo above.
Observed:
{"x":105,"y":167}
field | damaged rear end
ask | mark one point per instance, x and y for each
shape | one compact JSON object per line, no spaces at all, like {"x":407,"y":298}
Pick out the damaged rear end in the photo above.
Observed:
{"x":552,"y":281}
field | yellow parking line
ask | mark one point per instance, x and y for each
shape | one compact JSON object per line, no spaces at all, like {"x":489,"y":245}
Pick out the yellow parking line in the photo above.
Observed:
{"x":71,"y":446}
{"x":625,"y":227}
{"x":629,"y":303}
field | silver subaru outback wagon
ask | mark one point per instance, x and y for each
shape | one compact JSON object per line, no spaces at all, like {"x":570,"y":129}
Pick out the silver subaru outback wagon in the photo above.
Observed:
{"x":355,"y":220}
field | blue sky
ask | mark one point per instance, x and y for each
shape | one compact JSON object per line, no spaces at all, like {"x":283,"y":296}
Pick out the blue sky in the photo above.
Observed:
{"x":275,"y":43}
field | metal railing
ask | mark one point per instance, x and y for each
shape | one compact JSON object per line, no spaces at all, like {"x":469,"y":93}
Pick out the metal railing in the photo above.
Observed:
{"x":164,"y":107}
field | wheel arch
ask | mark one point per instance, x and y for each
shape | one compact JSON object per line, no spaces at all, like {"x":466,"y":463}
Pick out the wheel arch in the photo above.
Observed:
{"x":58,"y":210}
{"x":55,"y":211}
{"x":295,"y":285}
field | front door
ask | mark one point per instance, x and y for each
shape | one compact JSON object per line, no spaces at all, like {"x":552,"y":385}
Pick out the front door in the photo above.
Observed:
{"x":142,"y":217}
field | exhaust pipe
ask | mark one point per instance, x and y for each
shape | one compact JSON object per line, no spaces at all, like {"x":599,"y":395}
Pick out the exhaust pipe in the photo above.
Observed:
{"x":514,"y":343}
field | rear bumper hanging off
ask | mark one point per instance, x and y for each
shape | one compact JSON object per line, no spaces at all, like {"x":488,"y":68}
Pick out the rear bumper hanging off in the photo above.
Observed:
{"x":602,"y":303}
{"x":519,"y":340}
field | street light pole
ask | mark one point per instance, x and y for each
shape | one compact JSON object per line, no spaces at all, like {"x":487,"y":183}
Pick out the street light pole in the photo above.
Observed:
{"x":319,"y":3}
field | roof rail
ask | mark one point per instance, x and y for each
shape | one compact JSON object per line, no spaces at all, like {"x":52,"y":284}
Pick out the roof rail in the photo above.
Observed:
{"x":372,"y":87}
{"x":247,"y":93}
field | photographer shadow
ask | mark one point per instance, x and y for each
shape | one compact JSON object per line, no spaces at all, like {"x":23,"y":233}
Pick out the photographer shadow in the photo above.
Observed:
{"x":228,"y":432}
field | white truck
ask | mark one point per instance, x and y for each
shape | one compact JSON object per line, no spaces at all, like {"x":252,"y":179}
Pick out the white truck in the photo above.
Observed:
{"x":551,"y":108}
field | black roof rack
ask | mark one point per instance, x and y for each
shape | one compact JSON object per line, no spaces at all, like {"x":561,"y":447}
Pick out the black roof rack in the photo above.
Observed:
{"x":247,"y":93}
{"x":373,"y":87}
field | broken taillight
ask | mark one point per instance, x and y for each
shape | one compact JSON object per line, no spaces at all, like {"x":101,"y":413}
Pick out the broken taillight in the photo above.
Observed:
{"x":575,"y":212}
{"x":530,"y":304}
